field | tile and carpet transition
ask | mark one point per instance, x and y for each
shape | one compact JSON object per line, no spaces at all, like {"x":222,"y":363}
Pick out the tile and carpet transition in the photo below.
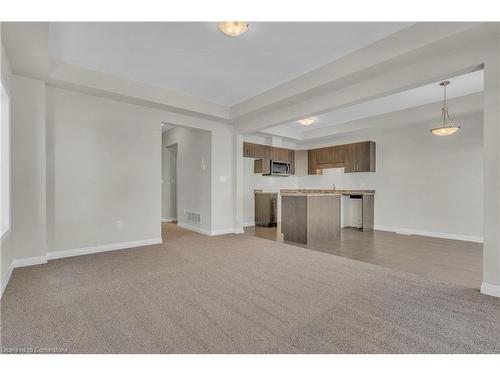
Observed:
{"x":239,"y":294}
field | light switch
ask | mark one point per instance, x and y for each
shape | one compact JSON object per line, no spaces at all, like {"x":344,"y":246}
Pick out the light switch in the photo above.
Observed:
{"x":223,"y":178}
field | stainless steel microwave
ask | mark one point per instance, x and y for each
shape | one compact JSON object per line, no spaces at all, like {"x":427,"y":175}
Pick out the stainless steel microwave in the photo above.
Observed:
{"x":279,"y":168}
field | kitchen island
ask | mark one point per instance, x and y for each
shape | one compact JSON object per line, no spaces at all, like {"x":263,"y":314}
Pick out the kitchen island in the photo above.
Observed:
{"x":310,"y":218}
{"x":365,"y":200}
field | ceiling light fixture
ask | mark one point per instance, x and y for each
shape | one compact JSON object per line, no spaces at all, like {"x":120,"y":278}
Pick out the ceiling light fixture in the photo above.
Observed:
{"x":307,"y":121}
{"x":233,"y":28}
{"x":445,"y":125}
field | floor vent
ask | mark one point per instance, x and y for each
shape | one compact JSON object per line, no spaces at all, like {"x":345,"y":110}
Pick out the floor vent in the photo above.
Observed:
{"x":194,"y":217}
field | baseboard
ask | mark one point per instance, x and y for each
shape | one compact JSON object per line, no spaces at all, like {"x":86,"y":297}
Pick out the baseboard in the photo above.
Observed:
{"x":490,"y":289}
{"x":102,"y":248}
{"x":21,"y":262}
{"x":193,"y":228}
{"x":32,"y":261}
{"x":450,"y":236}
{"x":5,"y":280}
{"x":219,"y":232}
{"x":252,"y":223}
{"x":216,"y":232}
{"x":168,"y":219}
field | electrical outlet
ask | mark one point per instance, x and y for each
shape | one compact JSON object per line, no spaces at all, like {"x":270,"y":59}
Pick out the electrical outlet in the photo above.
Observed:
{"x":120,"y":224}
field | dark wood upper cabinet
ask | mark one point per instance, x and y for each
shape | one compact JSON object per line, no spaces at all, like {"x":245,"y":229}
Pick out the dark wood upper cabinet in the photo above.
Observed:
{"x":326,"y":157}
{"x":365,"y":154}
{"x":265,"y":153}
{"x":354,"y":157}
{"x":360,"y":157}
{"x":279,"y":154}
{"x":262,"y":166}
{"x":330,"y":157}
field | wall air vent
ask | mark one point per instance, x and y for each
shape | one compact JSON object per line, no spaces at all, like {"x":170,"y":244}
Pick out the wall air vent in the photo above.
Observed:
{"x":194,"y":217}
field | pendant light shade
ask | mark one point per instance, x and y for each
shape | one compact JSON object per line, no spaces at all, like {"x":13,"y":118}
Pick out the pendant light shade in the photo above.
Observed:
{"x":445,"y":126}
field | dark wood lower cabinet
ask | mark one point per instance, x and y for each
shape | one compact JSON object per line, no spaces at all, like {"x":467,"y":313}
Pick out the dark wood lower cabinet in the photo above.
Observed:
{"x":266,"y":211}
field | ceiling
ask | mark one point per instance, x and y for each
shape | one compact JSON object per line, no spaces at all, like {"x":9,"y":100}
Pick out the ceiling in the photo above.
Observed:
{"x":196,"y":59}
{"x":326,"y":123}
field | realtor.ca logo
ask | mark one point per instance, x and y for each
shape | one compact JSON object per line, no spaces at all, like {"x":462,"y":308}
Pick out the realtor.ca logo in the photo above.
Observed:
{"x":34,"y":350}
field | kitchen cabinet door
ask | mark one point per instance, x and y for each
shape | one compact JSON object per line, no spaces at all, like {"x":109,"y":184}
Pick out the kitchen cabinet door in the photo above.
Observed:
{"x":262,"y":166}
{"x":365,"y":155}
{"x":279,"y":154}
{"x":247,"y":149}
{"x":350,"y":158}
{"x":337,"y":154}
{"x":323,"y":155}
{"x":311,"y":163}
{"x":359,"y":157}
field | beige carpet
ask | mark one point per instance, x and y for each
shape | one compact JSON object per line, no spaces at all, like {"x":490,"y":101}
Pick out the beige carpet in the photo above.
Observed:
{"x":239,"y":294}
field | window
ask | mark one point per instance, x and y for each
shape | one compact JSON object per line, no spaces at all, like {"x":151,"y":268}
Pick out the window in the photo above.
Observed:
{"x":4,"y":162}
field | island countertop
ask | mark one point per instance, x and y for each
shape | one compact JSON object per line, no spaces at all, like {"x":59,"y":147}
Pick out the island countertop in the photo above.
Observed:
{"x":325,"y":192}
{"x":305,"y":194}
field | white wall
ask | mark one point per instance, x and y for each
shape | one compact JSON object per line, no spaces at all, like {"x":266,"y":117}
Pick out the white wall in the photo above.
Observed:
{"x":104,"y":172}
{"x":423,"y":183}
{"x":223,"y":188}
{"x":194,"y":184}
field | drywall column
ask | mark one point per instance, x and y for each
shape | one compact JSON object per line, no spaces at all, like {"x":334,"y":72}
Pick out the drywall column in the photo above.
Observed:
{"x":27,"y":239}
{"x":238,"y":183}
{"x":491,"y":248}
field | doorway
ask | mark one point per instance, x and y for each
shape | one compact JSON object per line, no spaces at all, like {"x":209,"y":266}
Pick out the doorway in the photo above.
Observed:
{"x":169,"y":184}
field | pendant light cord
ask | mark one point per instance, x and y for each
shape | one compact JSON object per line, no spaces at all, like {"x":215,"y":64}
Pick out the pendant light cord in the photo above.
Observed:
{"x":445,"y":108}
{"x":444,"y":100}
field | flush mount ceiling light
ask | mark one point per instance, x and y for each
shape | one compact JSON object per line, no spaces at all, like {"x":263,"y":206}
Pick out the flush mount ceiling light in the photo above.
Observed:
{"x":445,"y":125}
{"x":307,"y":121}
{"x":233,"y":28}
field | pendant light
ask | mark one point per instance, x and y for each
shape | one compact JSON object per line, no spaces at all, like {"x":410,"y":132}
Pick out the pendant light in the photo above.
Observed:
{"x":445,"y":125}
